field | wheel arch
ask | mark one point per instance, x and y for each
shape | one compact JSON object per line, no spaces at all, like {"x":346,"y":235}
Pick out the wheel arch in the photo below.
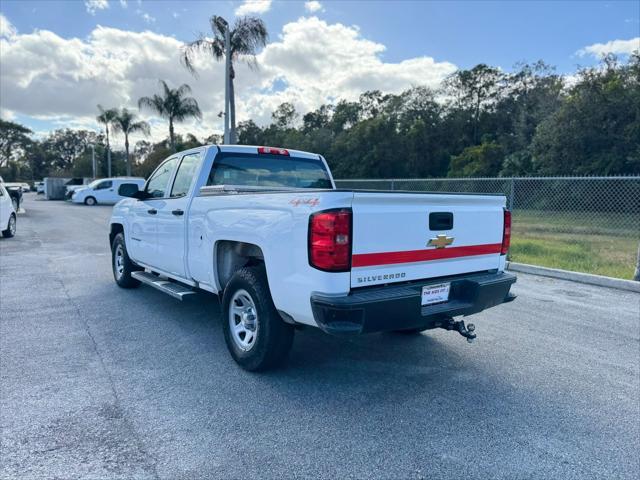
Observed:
{"x":114,"y":230}
{"x":229,"y":256}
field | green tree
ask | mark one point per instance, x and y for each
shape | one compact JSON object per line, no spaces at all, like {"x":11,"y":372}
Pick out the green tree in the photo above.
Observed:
{"x":125,"y":122}
{"x":14,"y":140}
{"x":106,"y":117}
{"x":475,"y":91}
{"x":246,"y":37}
{"x":285,"y":116}
{"x":174,"y":105}
{"x":482,"y":160}
{"x":596,"y":128}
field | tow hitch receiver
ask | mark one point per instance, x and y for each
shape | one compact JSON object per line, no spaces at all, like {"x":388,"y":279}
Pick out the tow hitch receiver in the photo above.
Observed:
{"x":459,"y":326}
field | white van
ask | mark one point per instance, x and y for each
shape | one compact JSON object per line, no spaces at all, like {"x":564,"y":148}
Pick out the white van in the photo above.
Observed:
{"x":7,"y":213}
{"x":104,"y":190}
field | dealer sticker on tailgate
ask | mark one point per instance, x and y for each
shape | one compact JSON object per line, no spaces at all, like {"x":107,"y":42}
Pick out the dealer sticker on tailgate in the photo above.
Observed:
{"x":435,"y":293}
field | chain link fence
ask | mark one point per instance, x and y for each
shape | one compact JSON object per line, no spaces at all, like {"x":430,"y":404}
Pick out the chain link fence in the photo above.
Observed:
{"x":587,"y":224}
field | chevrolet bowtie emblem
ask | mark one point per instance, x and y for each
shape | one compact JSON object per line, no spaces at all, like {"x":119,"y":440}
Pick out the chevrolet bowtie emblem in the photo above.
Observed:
{"x":440,"y":241}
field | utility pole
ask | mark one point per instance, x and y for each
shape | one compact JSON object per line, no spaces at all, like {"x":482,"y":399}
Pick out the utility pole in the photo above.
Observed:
{"x":227,"y":85}
{"x":93,"y":159}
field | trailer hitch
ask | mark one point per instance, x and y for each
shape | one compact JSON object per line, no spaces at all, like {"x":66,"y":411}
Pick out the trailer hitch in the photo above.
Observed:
{"x":459,"y":326}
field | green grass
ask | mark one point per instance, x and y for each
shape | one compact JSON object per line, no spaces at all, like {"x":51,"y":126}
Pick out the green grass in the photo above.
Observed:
{"x":603,"y":244}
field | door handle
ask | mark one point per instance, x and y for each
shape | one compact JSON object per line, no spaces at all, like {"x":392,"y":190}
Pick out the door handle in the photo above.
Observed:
{"x":152,"y":211}
{"x":177,"y":212}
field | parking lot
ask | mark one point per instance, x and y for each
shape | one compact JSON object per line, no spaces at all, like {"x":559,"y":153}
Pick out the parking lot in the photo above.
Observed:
{"x":100,"y":382}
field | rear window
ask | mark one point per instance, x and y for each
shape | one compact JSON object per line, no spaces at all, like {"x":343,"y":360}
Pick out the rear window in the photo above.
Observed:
{"x":268,"y":171}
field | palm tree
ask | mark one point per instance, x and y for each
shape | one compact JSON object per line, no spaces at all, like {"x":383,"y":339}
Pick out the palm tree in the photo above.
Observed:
{"x":248,"y":34}
{"x":107,"y":116}
{"x":173,"y":105}
{"x":125,"y":123}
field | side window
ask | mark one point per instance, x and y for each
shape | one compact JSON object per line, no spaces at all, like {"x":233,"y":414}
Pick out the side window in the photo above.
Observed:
{"x":1,"y":191}
{"x":104,"y":185}
{"x":186,"y":172}
{"x":157,"y":184}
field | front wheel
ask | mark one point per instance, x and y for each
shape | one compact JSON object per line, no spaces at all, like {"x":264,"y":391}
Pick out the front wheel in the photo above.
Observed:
{"x":122,"y":265}
{"x":256,"y":335}
{"x":11,"y":227}
{"x":90,"y":201}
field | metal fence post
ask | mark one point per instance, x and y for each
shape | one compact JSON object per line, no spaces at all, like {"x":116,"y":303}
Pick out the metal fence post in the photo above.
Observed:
{"x":393,"y":184}
{"x":511,"y":196}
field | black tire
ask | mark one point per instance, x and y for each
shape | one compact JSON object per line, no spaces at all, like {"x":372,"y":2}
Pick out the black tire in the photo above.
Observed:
{"x":272,"y":336}
{"x":90,"y":201}
{"x":11,"y":227}
{"x":123,"y":278}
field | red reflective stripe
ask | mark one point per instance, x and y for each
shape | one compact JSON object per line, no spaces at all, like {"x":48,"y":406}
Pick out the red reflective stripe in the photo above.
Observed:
{"x":389,"y":258}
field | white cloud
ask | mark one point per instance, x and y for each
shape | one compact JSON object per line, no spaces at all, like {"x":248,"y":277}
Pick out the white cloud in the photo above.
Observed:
{"x":313,"y":6}
{"x":93,"y":6}
{"x":249,"y":7}
{"x":618,"y":47}
{"x":7,"y":30}
{"x":124,"y":4}
{"x":62,"y":80}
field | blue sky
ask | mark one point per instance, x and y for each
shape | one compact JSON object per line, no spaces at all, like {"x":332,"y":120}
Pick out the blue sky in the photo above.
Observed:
{"x":402,"y":43}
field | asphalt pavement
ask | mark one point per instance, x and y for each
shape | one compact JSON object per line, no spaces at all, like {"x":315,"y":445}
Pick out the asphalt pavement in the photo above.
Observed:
{"x":100,"y":382}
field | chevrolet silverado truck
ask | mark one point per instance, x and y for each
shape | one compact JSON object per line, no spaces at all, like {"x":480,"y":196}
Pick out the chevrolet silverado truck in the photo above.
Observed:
{"x":267,"y":231}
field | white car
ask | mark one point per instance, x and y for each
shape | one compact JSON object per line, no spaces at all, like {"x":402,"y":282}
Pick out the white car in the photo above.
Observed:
{"x":266,"y":230}
{"x":103,"y":191}
{"x":39,"y":187}
{"x":7,"y":214}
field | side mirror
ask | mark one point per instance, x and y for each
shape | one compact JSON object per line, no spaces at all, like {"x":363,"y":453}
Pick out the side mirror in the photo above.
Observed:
{"x":130,"y":190}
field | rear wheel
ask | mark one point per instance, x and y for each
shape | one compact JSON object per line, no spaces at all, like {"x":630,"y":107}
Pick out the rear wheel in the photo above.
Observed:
{"x":11,"y":227}
{"x":122,"y":265}
{"x":256,"y":335}
{"x":90,"y":201}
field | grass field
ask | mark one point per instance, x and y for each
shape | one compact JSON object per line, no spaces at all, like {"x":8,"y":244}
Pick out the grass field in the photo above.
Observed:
{"x":604,"y":244}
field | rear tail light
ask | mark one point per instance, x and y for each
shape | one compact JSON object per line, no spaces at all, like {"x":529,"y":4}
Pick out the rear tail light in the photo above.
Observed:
{"x":330,"y":240}
{"x":273,"y":151}
{"x":506,"y":233}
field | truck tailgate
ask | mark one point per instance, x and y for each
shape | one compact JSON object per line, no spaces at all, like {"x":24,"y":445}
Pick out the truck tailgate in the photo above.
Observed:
{"x":392,"y":234}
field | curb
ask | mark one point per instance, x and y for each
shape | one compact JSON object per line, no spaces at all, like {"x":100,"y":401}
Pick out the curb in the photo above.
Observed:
{"x":587,"y":278}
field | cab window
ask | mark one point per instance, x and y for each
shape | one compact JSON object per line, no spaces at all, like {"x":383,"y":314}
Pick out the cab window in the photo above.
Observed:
{"x":186,"y":172}
{"x":104,"y":185}
{"x":157,"y":184}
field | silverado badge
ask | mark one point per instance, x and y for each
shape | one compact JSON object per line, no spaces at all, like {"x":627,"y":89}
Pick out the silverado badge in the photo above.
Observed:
{"x":440,"y":241}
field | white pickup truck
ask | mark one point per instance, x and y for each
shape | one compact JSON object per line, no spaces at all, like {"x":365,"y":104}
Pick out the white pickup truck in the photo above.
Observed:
{"x":267,"y":231}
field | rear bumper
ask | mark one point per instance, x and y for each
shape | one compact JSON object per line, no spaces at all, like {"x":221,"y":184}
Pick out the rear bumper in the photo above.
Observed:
{"x":398,"y":307}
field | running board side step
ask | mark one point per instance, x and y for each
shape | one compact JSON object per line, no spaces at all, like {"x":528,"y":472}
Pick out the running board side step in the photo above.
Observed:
{"x":176,"y":290}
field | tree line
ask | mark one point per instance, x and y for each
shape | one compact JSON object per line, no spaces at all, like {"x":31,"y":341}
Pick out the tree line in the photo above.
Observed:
{"x":481,"y":122}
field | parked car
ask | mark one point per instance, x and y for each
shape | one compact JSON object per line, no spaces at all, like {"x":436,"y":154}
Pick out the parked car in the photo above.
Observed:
{"x":15,"y":192}
{"x":103,"y":191}
{"x":71,"y":189}
{"x":39,"y":187}
{"x":7,"y":213}
{"x":267,"y":231}
{"x":25,"y":187}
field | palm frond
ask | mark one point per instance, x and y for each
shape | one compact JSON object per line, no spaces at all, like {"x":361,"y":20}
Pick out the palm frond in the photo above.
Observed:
{"x":141,"y":126}
{"x":248,"y":35}
{"x":154,"y":103}
{"x":182,"y":90}
{"x":191,"y":50}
